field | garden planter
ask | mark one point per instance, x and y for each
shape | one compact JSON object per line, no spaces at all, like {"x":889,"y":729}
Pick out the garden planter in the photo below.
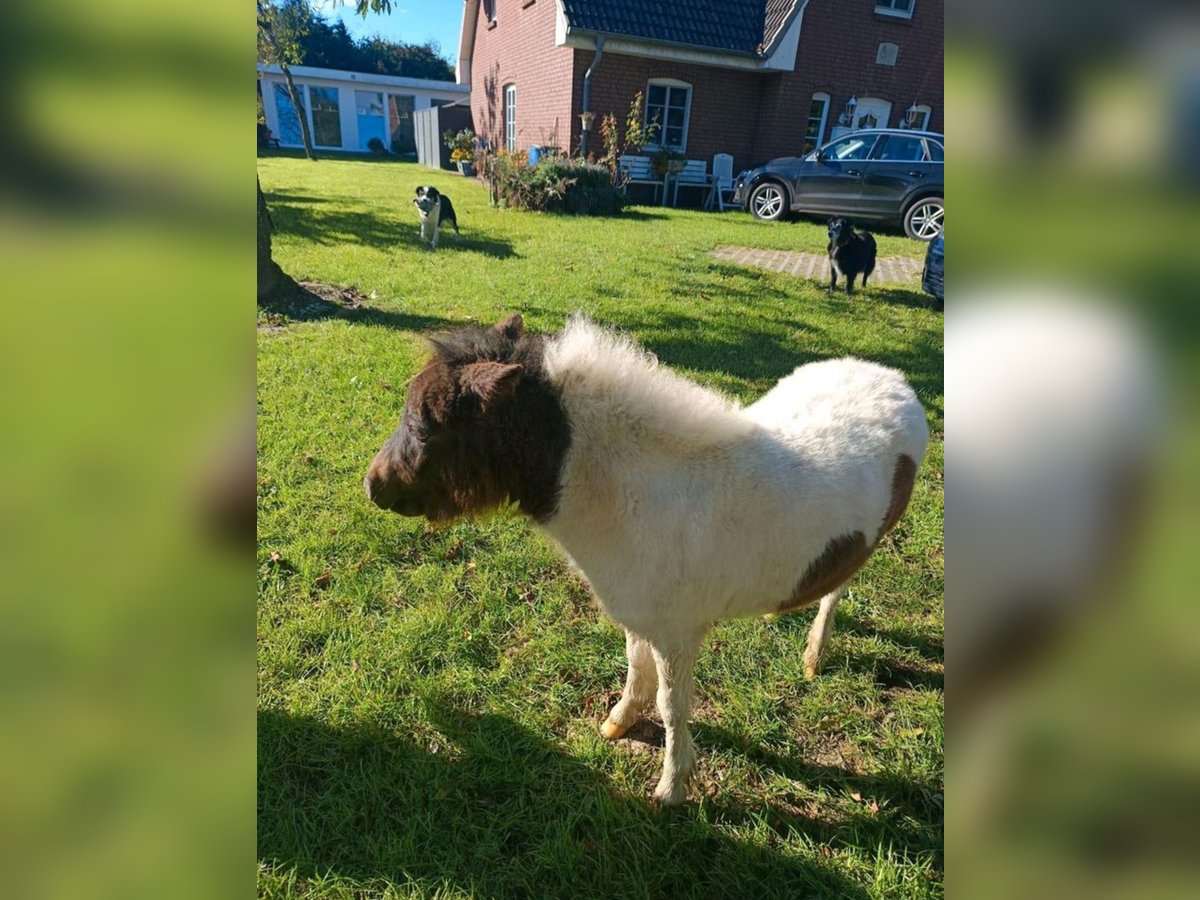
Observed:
{"x":466,"y":168}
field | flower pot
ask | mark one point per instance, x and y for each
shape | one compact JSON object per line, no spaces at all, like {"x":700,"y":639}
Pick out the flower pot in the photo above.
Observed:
{"x":675,"y":166}
{"x":466,"y":168}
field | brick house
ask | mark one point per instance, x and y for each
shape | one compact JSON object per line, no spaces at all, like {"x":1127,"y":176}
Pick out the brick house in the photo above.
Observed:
{"x":753,"y":78}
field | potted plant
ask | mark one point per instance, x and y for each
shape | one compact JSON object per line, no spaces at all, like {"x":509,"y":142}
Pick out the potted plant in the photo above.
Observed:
{"x":462,"y":150}
{"x":667,"y":162}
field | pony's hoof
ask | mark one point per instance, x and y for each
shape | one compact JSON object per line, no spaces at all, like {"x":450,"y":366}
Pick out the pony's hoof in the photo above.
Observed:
{"x":610,"y":730}
{"x":669,"y":794}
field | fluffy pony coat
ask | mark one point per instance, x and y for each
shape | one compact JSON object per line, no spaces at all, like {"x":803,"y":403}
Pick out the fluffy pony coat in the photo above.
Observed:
{"x":680,"y":508}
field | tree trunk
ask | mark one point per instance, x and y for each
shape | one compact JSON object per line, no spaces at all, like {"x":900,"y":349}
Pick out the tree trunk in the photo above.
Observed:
{"x":271,"y":278}
{"x":301,"y":111}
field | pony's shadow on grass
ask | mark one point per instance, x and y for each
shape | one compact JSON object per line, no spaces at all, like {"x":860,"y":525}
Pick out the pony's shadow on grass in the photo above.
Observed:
{"x":912,"y":822}
{"x":485,"y":805}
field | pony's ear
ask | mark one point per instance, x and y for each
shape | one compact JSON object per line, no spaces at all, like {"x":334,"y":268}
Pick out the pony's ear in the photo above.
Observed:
{"x":512,"y":327}
{"x":490,"y":381}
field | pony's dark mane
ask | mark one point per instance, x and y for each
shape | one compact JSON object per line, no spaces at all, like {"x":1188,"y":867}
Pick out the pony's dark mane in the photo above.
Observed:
{"x":474,"y":344}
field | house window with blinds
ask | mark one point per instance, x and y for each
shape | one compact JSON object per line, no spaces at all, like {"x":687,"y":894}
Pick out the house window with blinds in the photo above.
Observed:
{"x":669,"y":104}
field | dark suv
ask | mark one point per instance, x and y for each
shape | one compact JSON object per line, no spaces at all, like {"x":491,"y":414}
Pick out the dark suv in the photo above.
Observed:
{"x":878,"y":174}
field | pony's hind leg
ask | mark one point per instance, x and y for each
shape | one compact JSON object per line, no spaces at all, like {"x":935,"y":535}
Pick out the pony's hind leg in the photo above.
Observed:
{"x":818,"y":634}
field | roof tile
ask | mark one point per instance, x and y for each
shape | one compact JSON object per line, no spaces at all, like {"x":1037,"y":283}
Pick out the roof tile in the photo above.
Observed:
{"x":739,"y":26}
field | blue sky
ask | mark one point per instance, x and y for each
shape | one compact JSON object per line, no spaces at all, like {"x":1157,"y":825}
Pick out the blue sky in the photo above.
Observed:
{"x":411,"y":21}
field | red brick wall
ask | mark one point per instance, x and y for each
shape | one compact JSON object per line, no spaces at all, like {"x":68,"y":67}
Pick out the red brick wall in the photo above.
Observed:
{"x":724,"y":109}
{"x":838,"y":43}
{"x":754,"y":116}
{"x":519,"y":49}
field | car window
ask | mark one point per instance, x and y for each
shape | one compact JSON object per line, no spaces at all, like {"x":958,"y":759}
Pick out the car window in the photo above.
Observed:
{"x":851,"y":148}
{"x":900,"y":148}
{"x":936,"y":153}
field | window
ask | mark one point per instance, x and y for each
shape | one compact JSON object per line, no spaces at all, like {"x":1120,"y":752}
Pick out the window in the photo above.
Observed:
{"x":326,"y":118}
{"x":900,"y":8}
{"x":289,"y":121}
{"x":936,"y":152}
{"x":368,"y":103}
{"x":818,"y":112}
{"x":901,"y":148}
{"x":851,"y":149}
{"x":510,"y":117}
{"x":921,"y":121}
{"x":368,"y":107}
{"x":669,"y":104}
{"x":872,"y":112}
{"x":400,"y":123}
{"x":489,"y":10}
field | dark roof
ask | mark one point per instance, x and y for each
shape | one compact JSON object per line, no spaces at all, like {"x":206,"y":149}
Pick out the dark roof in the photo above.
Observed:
{"x":736,"y":26}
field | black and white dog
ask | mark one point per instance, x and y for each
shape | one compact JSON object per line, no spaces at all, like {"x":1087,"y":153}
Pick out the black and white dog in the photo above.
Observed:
{"x":850,"y":253}
{"x":436,"y":210}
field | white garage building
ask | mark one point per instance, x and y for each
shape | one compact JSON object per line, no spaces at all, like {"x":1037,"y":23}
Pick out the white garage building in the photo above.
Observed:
{"x":346,"y":109}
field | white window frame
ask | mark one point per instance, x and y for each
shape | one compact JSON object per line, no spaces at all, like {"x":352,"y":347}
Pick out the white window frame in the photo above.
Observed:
{"x":924,"y":114}
{"x":886,"y":8}
{"x":510,"y":117}
{"x":668,"y":83}
{"x":886,"y":106}
{"x":819,"y":95}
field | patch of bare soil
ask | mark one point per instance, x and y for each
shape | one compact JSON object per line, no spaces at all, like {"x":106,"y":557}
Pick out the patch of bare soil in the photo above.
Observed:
{"x":309,"y":300}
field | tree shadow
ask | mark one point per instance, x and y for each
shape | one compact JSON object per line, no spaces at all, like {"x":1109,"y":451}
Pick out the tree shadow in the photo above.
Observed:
{"x":336,"y":156}
{"x":309,"y":301}
{"x":487,"y":806}
{"x":293,"y":214}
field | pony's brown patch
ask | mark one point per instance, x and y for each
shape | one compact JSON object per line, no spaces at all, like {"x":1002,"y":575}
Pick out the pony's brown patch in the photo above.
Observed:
{"x":841,"y":558}
{"x":903,"y":477}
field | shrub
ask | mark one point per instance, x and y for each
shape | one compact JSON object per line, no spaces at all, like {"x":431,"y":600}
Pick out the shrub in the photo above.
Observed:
{"x":375,"y":145}
{"x":554,"y":185}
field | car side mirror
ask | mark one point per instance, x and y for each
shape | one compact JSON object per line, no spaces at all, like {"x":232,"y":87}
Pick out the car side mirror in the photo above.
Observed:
{"x":820,"y":156}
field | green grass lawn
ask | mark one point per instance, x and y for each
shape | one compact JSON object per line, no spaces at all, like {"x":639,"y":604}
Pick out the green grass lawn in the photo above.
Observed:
{"x":428,"y":699}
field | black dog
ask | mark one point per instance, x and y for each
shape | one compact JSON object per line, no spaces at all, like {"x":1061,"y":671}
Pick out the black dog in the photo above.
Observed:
{"x":436,"y":210}
{"x":850,"y":252}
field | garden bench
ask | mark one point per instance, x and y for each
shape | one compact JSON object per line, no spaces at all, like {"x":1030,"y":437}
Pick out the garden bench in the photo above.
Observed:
{"x":693,"y":174}
{"x":639,"y":170}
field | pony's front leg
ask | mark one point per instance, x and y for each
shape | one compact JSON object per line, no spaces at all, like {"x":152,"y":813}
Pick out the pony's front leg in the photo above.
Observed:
{"x":640,"y":684}
{"x":675,"y":658}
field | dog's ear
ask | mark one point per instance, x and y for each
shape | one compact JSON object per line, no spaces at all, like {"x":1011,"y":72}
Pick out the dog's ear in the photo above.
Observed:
{"x":512,"y":327}
{"x":417,"y":192}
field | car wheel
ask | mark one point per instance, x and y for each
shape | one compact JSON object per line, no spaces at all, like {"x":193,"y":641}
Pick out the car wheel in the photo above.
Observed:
{"x":925,"y":218}
{"x":768,"y":202}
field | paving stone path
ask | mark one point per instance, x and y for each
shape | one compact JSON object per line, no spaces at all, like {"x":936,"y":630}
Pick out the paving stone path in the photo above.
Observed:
{"x":816,"y":265}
